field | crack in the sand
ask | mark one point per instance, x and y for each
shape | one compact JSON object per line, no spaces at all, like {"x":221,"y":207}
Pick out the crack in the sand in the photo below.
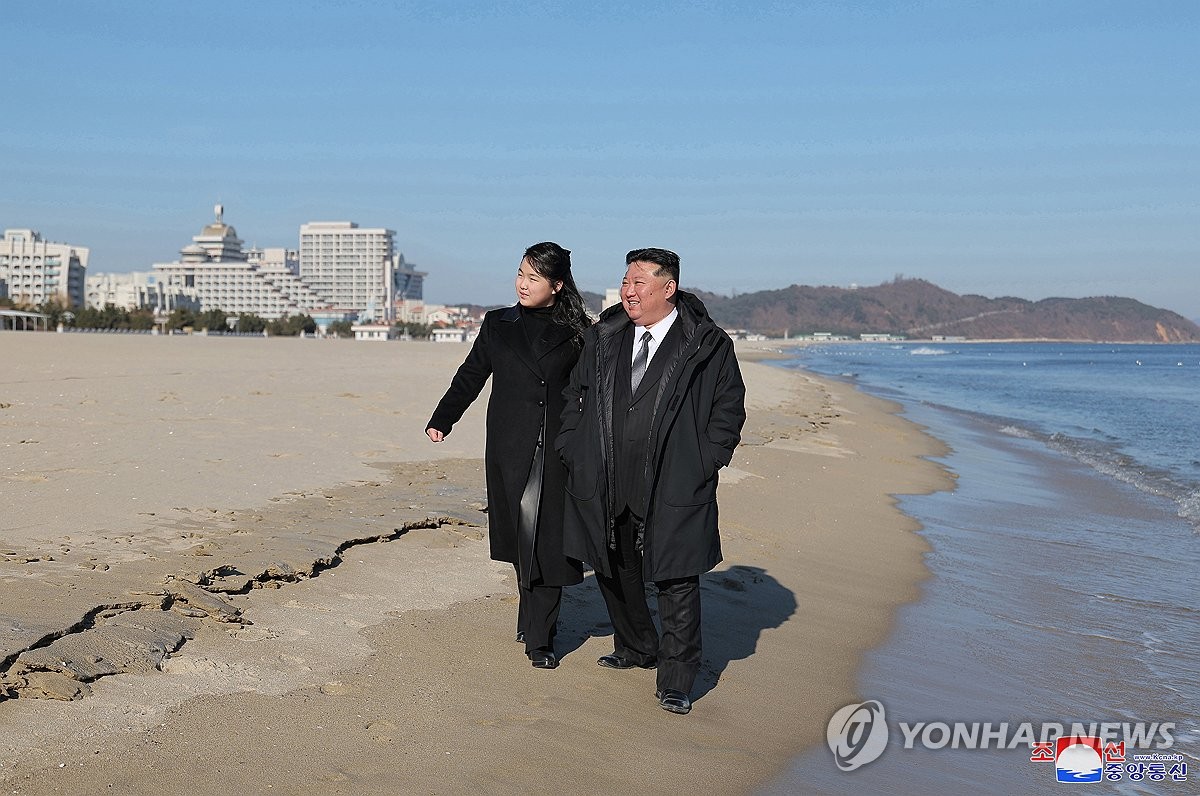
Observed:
{"x":138,"y":635}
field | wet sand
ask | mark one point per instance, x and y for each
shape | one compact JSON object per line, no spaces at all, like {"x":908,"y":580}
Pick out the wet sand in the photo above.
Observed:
{"x":239,"y":564}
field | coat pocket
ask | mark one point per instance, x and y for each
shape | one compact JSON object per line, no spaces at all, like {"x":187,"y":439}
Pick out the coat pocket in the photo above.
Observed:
{"x":689,"y":479}
{"x":582,"y":481}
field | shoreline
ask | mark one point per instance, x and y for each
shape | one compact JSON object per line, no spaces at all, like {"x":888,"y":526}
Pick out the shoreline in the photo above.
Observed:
{"x":1035,"y":545}
{"x":420,"y":677}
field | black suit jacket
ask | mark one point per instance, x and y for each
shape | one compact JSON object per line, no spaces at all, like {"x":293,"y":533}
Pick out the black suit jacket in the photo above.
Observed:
{"x":633,"y":418}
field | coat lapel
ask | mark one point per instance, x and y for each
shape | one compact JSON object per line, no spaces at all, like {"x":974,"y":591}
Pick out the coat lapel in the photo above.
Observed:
{"x":513,"y":331}
{"x":555,"y":335}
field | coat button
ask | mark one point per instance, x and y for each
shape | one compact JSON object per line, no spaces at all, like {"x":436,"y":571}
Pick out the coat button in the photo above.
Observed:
{"x":543,"y":383}
{"x":541,"y":403}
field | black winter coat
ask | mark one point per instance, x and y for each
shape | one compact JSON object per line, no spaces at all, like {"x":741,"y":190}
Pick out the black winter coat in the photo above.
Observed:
{"x":699,"y":411}
{"x":527,"y":392}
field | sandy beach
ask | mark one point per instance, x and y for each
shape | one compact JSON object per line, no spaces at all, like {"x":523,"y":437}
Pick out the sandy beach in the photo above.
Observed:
{"x":239,"y":565}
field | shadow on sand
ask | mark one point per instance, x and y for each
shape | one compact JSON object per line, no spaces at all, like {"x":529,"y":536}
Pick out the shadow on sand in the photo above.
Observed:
{"x":739,"y":603}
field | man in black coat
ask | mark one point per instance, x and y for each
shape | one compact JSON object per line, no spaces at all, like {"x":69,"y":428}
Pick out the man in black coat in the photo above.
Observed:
{"x":654,"y":409}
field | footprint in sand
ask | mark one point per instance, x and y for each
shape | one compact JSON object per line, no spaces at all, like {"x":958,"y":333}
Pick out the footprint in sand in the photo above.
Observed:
{"x":381,"y":731}
{"x":336,"y":688}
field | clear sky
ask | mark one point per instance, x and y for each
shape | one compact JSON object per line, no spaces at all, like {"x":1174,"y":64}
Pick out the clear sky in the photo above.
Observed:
{"x":1029,"y":149}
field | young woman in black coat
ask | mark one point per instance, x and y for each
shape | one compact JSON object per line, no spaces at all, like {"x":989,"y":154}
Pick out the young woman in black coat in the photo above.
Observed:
{"x":528,"y":349}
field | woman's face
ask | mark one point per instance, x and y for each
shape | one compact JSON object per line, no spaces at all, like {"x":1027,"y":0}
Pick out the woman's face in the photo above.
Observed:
{"x":533,"y":289}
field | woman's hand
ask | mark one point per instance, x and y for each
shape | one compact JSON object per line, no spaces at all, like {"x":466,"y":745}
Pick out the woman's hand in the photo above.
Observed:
{"x":435,"y":435}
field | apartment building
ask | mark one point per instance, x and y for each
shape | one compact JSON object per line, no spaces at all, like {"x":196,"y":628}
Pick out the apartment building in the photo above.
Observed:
{"x":35,"y":271}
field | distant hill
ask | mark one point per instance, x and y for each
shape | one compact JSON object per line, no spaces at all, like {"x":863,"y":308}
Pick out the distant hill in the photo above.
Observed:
{"x":594,"y":301}
{"x":919,"y":309}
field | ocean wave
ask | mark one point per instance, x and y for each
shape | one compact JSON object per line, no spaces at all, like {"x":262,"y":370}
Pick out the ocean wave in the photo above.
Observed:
{"x":1067,"y":631}
{"x":1016,"y":431}
{"x":1153,"y":605}
{"x":1106,"y":460}
{"x":926,"y":351}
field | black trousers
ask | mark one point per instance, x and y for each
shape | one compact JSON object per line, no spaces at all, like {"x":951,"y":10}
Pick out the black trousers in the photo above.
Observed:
{"x":537,"y":614}
{"x":677,"y":650}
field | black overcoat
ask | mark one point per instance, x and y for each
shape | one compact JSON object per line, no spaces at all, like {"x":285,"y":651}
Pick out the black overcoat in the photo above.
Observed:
{"x":528,"y":378}
{"x":698,"y":415}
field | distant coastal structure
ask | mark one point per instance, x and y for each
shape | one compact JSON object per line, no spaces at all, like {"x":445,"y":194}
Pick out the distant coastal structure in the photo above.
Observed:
{"x":357,"y":270}
{"x":340,"y":272}
{"x":349,"y":266}
{"x":34,"y":271}
{"x":137,"y":290}
{"x":215,"y":272}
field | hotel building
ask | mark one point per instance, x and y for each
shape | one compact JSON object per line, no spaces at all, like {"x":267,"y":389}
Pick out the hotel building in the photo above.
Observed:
{"x":351,"y":267}
{"x":219,"y":275}
{"x":340,"y":272}
{"x":35,"y":271}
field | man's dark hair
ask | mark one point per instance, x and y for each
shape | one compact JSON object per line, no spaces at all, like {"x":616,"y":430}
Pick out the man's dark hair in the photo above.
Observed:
{"x":666,"y":260}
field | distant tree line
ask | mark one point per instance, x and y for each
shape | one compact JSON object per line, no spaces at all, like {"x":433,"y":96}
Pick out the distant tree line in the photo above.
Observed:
{"x":414,"y":330}
{"x":242,"y":322}
{"x":112,"y":317}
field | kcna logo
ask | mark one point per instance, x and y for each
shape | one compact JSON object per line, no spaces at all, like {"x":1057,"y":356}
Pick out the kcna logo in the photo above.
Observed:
{"x":857,"y":734}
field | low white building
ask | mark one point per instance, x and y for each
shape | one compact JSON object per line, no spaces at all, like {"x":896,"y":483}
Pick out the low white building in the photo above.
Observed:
{"x":373,"y":331}
{"x":36,"y":271}
{"x":137,"y":290}
{"x":450,"y":334}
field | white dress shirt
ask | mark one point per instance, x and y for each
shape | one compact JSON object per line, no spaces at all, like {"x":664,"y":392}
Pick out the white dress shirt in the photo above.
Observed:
{"x":658,"y":333}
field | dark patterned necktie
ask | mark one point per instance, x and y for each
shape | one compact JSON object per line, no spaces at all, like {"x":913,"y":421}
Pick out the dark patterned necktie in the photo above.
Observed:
{"x":641,"y":361}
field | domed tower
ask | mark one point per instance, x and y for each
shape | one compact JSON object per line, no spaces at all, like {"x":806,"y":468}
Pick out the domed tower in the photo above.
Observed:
{"x":219,"y":241}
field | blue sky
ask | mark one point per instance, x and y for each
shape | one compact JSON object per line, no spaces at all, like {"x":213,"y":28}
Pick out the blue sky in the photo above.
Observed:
{"x":1025,"y":149}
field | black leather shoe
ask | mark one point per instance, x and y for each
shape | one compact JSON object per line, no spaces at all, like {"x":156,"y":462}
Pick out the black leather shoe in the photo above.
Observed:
{"x":674,"y":701}
{"x":520,"y":636}
{"x":543,"y":659}
{"x":615,"y":661}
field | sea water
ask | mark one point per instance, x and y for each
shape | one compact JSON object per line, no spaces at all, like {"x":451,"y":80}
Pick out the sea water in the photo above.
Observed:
{"x":1065,"y":563}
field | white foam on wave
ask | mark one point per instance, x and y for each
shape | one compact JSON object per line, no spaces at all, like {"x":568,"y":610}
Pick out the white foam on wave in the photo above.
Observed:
{"x":926,"y":351}
{"x":1189,"y":509}
{"x":1014,"y":431}
{"x":1125,"y":469}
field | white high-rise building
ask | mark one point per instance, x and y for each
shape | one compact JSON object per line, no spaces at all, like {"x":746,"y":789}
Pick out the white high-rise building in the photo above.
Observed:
{"x":349,"y":266}
{"x":36,"y":271}
{"x":215,"y":270}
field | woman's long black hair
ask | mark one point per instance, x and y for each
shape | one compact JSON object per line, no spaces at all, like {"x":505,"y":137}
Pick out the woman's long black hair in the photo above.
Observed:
{"x":554,"y":263}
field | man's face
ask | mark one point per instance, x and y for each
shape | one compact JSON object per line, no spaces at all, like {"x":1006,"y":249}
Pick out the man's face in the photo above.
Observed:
{"x":646,"y":297}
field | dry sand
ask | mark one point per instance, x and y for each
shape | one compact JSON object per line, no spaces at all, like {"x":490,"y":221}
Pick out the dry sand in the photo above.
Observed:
{"x":251,"y":571}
